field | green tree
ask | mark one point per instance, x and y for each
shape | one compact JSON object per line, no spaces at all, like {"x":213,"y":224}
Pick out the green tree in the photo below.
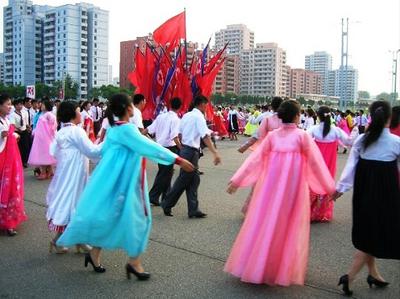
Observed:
{"x":362,"y":94}
{"x":383,"y":96}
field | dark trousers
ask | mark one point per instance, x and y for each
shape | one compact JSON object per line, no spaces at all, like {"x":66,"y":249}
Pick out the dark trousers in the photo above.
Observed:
{"x":96,"y":127}
{"x":24,"y":144}
{"x":186,"y":181}
{"x":162,"y":182}
{"x":361,"y":129}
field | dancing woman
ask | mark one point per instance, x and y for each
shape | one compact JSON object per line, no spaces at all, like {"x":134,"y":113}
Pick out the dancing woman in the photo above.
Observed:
{"x":119,"y":216}
{"x":372,"y":171}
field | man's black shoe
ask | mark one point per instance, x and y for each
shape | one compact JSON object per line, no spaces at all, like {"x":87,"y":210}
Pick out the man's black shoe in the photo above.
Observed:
{"x":198,"y":215}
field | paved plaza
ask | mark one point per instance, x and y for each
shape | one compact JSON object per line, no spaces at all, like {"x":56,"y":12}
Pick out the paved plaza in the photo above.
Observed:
{"x":185,"y":256}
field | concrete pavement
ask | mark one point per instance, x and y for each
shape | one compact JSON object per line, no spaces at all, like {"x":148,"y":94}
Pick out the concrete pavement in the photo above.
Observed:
{"x":185,"y":256}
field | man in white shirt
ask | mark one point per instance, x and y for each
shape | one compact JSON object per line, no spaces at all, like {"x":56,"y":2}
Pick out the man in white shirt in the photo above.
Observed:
{"x":139,"y":102}
{"x":264,"y":114}
{"x":193,"y":128}
{"x":96,"y":114}
{"x":362,"y":122}
{"x":20,"y":120}
{"x":166,"y":130}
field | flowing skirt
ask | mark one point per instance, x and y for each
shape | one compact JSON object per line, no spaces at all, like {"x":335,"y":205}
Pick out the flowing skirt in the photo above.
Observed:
{"x":42,"y":138}
{"x":322,"y":204}
{"x":12,"y":211}
{"x":376,"y":209}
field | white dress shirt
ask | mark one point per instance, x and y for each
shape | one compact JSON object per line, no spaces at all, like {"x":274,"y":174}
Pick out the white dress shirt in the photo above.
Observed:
{"x":334,"y":134}
{"x":260,"y":118}
{"x":137,"y":119}
{"x":166,"y":128}
{"x":308,"y":122}
{"x":16,"y":119}
{"x":386,"y":148}
{"x":95,"y":113}
{"x":193,"y":128}
{"x":362,"y":120}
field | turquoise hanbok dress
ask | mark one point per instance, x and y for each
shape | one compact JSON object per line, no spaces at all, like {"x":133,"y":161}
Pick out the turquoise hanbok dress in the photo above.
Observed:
{"x":114,"y":210}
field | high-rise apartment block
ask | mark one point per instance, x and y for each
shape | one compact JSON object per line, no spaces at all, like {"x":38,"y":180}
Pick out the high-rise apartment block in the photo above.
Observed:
{"x":263,"y":71}
{"x":321,"y":63}
{"x":239,"y":38}
{"x":44,"y":44}
{"x":344,"y":84}
{"x":227,"y":80}
{"x":304,"y":82}
{"x":1,"y":68}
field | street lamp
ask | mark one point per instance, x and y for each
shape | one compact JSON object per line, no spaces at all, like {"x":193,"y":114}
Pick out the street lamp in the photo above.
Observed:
{"x":394,"y":76}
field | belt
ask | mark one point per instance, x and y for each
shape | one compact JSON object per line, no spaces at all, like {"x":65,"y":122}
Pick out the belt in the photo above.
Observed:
{"x":190,"y":147}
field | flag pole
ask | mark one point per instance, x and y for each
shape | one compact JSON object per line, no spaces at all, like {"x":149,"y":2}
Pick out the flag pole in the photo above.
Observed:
{"x":186,"y":46}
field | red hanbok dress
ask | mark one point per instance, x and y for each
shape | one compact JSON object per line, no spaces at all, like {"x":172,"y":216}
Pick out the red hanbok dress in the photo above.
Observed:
{"x":88,"y":126}
{"x":12,"y":211}
{"x":219,"y":125}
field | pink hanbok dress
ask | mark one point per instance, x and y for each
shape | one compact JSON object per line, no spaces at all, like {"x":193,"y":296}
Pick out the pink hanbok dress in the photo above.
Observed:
{"x":273,"y":243}
{"x":322,"y":205}
{"x":43,"y":136}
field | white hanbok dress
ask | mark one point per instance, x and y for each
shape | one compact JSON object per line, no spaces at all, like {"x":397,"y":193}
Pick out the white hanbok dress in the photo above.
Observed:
{"x":71,"y":148}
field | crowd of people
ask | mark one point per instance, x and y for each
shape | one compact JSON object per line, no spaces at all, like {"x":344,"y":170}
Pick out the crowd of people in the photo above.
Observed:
{"x":291,"y":171}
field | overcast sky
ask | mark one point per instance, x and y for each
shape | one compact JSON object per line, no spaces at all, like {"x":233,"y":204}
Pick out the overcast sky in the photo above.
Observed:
{"x":298,"y":26}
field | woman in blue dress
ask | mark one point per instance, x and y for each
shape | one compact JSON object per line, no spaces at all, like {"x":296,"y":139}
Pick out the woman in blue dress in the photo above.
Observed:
{"x":114,"y":210}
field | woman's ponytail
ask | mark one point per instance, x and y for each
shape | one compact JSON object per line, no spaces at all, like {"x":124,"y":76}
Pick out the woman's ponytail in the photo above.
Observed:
{"x":380,"y":113}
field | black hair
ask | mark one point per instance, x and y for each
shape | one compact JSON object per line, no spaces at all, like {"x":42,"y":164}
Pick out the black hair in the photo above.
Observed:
{"x":57,"y":101}
{"x":380,"y":112}
{"x":48,"y":105}
{"x":275,"y":103}
{"x":324,"y":115}
{"x":361,"y":111}
{"x":117,"y":106}
{"x":176,"y":103}
{"x":84,"y":104}
{"x":66,"y":111}
{"x":96,"y":100}
{"x":342,"y":114}
{"x":395,"y":117}
{"x":198,"y":100}
{"x":4,"y":98}
{"x":288,"y":111}
{"x":137,"y":98}
{"x":18,"y":101}
{"x":34,"y":101}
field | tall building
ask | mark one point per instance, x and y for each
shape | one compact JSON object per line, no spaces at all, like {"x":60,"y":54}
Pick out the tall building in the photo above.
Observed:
{"x":126,"y":58}
{"x":76,"y":43}
{"x":263,"y":71}
{"x":44,"y":44}
{"x":22,"y":42}
{"x":110,"y":75}
{"x":321,"y":63}
{"x":239,"y":38}
{"x":304,"y":82}
{"x":1,"y":68}
{"x":227,"y":80}
{"x":345,"y":84}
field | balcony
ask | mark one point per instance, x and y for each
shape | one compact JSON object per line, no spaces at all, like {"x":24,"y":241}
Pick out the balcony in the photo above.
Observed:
{"x":48,"y":63}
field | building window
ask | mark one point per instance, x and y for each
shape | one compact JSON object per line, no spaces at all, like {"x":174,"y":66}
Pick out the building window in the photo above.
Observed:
{"x":65,"y":27}
{"x":95,"y":38}
{"x":95,"y":45}
{"x":58,"y":59}
{"x":95,"y":75}
{"x":95,"y":67}
{"x":65,"y":35}
{"x":65,"y":12}
{"x":95,"y":82}
{"x":95,"y":60}
{"x":58,"y":43}
{"x":65,"y":50}
{"x":95,"y":23}
{"x":95,"y":52}
{"x":95,"y":15}
{"x":64,"y":58}
{"x":95,"y":31}
{"x":64,"y":43}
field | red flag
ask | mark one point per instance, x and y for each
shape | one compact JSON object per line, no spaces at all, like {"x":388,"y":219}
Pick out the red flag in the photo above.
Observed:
{"x":171,"y":31}
{"x":138,"y":74}
{"x":213,"y":61}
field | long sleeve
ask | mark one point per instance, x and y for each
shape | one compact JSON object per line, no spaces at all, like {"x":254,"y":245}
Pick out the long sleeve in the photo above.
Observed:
{"x":318,"y":175}
{"x":344,"y":138}
{"x":252,"y":167}
{"x":347,"y":178}
{"x":86,"y":146}
{"x":262,"y":131}
{"x":145,"y":147}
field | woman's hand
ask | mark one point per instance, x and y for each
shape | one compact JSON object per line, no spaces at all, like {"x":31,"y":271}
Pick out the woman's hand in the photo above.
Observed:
{"x":186,"y":165}
{"x":336,"y":195}
{"x":231,"y":188}
{"x":4,"y":134}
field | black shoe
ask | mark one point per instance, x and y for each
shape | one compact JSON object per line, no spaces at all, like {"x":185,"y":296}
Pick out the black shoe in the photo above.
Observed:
{"x":155,"y":203}
{"x":378,"y":283}
{"x":98,"y":269}
{"x":198,"y":215}
{"x":11,"y":232}
{"x":201,"y":172}
{"x":25,"y":165}
{"x":344,"y":280}
{"x":345,"y":151}
{"x":167,"y":212}
{"x":139,"y":275}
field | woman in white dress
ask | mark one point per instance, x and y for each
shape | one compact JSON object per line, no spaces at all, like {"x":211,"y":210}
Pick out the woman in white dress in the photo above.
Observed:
{"x":71,"y":147}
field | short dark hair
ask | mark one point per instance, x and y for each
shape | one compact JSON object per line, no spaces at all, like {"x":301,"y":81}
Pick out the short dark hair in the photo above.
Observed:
{"x":34,"y":101}
{"x":137,"y":98}
{"x":67,"y":111}
{"x":176,"y":103}
{"x":198,"y":100}
{"x":84,"y":104}
{"x":48,"y":105}
{"x":288,"y":111}
{"x":4,"y":98}
{"x":96,"y":100}
{"x":276,"y":102}
{"x":18,"y":101}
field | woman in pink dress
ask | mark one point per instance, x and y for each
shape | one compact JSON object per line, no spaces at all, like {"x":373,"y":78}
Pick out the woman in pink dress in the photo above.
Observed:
{"x":273,"y":242}
{"x":43,"y":135}
{"x":12,"y":211}
{"x":326,"y":137}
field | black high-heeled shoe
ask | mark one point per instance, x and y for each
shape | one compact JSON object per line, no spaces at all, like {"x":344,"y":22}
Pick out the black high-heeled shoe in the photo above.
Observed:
{"x":344,"y":280}
{"x":378,"y":283}
{"x":139,"y":275}
{"x":98,"y":269}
